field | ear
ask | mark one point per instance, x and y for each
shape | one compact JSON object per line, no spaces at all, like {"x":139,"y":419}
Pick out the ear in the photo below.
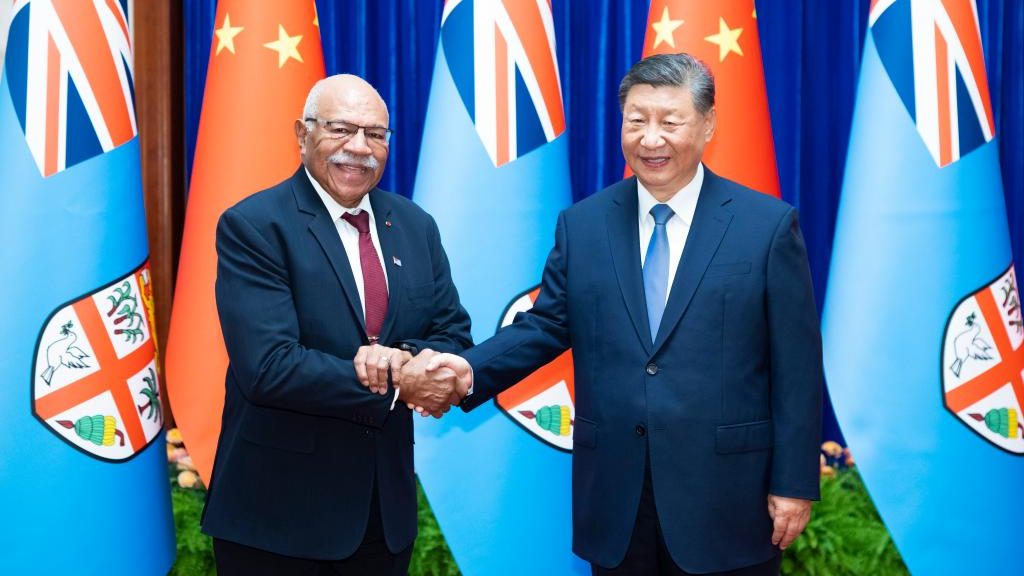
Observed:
{"x":710,"y":123}
{"x":300,"y":134}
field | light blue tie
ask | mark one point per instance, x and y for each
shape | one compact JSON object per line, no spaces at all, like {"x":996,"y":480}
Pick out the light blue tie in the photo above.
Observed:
{"x":656,"y":268}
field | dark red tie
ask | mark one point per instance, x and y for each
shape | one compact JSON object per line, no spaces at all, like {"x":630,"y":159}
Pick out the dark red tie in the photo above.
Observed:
{"x":375,"y":286}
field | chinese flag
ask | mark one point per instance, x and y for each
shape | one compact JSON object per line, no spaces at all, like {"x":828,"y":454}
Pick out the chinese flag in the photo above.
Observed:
{"x":724,"y":35}
{"x":264,"y":59}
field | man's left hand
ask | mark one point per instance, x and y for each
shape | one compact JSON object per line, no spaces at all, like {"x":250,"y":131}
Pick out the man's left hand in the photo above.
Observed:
{"x":790,"y":516}
{"x":373,"y":363}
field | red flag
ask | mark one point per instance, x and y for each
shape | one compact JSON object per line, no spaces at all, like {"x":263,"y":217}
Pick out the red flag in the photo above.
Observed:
{"x":264,"y":59}
{"x":724,"y":35}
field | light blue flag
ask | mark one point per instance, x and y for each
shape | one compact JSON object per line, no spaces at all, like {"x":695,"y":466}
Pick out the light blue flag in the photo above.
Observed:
{"x":922,"y":321}
{"x":493,"y":172}
{"x":83,"y":471}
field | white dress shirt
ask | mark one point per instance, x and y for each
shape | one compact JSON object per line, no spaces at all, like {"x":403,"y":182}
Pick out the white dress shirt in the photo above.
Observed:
{"x":350,"y":240}
{"x":350,"y":236}
{"x":683,"y":204}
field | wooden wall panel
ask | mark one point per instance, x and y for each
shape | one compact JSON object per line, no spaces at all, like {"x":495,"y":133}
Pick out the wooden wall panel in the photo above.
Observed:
{"x":159,"y":102}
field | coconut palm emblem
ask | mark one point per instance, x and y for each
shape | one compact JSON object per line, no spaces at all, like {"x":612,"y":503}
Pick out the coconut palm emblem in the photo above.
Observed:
{"x":95,"y":383}
{"x":543,"y":403}
{"x":983,"y":361}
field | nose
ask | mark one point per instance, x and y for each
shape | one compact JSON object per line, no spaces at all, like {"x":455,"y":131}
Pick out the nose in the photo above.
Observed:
{"x":357,"y":144}
{"x":652,"y":136}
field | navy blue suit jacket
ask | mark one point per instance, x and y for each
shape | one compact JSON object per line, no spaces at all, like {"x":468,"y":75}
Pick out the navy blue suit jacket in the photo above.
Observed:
{"x":302,"y":441}
{"x":726,"y":400}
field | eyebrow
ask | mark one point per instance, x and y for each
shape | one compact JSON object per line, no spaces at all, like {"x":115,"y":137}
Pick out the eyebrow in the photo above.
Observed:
{"x":346,"y":121}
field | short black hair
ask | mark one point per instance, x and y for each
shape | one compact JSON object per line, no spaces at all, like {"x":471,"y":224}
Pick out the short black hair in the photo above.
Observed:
{"x":672,"y":70}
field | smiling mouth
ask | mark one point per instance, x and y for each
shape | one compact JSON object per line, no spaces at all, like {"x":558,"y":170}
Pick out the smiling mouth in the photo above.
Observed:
{"x":654,"y":162}
{"x":351,"y":168}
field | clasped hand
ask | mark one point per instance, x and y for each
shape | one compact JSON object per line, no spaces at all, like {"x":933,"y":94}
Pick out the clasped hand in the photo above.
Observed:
{"x":429,"y":383}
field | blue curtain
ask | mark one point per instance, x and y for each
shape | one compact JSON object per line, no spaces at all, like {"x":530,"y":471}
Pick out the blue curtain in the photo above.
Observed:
{"x":811,"y":53}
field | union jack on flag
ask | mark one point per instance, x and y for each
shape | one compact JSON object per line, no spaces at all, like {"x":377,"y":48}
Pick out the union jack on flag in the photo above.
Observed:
{"x":73,"y":95}
{"x":501,"y":54}
{"x":940,"y":77}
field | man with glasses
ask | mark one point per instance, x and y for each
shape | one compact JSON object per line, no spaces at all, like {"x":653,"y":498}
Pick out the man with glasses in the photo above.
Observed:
{"x":326,"y":288}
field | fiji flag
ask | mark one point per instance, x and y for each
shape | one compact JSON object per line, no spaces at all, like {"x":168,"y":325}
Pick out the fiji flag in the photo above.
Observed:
{"x":922,"y":322}
{"x":493,"y":172}
{"x":84,"y":470}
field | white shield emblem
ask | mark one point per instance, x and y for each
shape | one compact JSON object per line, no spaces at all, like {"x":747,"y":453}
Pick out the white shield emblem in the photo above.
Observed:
{"x":983,"y":361}
{"x":94,"y":383}
{"x":543,"y":403}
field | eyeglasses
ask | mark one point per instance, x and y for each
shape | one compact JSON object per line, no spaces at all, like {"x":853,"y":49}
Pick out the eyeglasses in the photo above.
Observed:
{"x":342,"y":130}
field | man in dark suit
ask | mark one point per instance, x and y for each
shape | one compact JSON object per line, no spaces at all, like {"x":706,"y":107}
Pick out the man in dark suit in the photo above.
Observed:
{"x":314,"y":472}
{"x":687,"y":301}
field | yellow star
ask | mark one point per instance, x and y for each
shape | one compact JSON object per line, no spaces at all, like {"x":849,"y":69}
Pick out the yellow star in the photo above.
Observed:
{"x":754,"y":13}
{"x":665,"y":30}
{"x":286,"y":46}
{"x":226,"y":35}
{"x":316,"y":17}
{"x":727,"y":40}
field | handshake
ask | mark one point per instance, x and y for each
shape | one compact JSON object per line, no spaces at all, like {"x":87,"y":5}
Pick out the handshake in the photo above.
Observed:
{"x":429,"y":383}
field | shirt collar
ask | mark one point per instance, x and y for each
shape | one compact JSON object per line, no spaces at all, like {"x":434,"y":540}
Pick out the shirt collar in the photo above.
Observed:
{"x":334,"y":209}
{"x":683,"y":203}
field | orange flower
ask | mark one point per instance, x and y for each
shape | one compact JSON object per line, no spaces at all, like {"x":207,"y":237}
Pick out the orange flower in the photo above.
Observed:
{"x":832,"y":448}
{"x":174,"y":437}
{"x":828,"y":472}
{"x":188,"y":479}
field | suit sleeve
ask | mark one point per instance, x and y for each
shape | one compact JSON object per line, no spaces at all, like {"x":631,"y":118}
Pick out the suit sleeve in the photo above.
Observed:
{"x":535,"y":338}
{"x":796,"y":365}
{"x":261,"y":333}
{"x":449,"y":329}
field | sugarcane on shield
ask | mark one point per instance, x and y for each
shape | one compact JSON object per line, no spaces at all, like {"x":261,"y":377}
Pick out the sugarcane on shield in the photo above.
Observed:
{"x":543,"y":403}
{"x":94,"y":380}
{"x":983,"y":361}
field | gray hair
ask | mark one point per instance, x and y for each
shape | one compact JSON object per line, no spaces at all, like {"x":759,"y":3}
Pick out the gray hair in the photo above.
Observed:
{"x":672,"y":70}
{"x":312,"y":106}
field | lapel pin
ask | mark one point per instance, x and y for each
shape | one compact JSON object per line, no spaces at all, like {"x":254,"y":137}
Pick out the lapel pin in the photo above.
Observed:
{"x":396,"y":261}
{"x":387,"y":223}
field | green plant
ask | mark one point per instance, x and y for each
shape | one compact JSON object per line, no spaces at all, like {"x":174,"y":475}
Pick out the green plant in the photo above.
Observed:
{"x":430,"y":556}
{"x":845,"y":536}
{"x":195,"y":549}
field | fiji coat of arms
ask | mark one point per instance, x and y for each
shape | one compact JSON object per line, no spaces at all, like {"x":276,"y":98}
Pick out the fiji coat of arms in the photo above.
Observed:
{"x":543,"y":403}
{"x":983,"y":361}
{"x":94,"y":380}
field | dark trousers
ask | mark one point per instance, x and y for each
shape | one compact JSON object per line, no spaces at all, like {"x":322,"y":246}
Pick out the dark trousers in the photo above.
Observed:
{"x":372,"y":558}
{"x":648,"y":556}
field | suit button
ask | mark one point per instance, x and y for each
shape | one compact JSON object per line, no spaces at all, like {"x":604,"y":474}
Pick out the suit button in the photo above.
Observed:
{"x":652,"y":368}
{"x":640,"y":430}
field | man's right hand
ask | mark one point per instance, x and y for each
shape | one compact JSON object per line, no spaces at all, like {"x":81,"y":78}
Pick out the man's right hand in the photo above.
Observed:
{"x":431,"y":374}
{"x":428,"y":392}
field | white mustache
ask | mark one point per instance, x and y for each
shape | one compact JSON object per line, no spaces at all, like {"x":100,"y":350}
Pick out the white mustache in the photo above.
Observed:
{"x":343,"y":157}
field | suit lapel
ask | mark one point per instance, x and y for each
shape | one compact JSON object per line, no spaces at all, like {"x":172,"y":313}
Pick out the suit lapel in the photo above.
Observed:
{"x":710,"y":221}
{"x":326,"y":233}
{"x":624,"y":240}
{"x":388,"y":239}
